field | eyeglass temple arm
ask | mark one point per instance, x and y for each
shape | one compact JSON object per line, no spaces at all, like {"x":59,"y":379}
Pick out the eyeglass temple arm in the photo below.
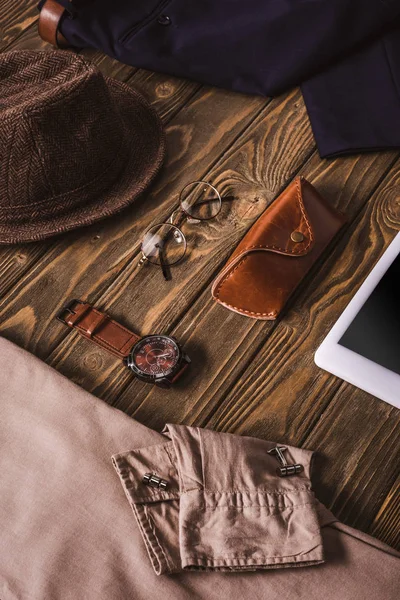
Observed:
{"x":182,"y":214}
{"x":165,"y":270}
{"x":221,"y":198}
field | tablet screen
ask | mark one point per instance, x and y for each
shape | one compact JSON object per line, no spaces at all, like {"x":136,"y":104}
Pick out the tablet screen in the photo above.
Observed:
{"x":375,"y":331}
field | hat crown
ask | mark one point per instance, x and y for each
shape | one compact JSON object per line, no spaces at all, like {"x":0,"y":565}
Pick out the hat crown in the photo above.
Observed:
{"x":60,"y":132}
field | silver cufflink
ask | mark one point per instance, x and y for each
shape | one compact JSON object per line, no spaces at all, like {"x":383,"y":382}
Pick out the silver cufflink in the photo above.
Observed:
{"x":154,"y":481}
{"x":285,"y":470}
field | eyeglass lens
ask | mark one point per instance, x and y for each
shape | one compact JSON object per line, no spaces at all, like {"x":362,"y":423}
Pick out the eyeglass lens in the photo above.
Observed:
{"x":200,"y":200}
{"x":164,"y":244}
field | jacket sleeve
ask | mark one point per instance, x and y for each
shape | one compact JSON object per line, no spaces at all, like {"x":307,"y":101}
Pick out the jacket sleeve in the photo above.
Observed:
{"x":252,"y":46}
{"x":224,"y":507}
{"x":354,"y":105}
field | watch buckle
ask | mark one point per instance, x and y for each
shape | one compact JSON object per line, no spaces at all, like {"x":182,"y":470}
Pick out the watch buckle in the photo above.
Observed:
{"x":60,"y":316}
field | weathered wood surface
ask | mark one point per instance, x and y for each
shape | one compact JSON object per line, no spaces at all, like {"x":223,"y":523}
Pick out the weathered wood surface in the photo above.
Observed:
{"x":15,"y":18}
{"x":248,"y":377}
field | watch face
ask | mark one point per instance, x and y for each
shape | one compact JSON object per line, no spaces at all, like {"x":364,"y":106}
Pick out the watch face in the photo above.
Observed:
{"x":154,"y":356}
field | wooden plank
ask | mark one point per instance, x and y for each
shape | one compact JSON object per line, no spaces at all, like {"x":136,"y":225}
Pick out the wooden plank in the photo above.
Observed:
{"x":283,"y":374}
{"x":28,"y":39}
{"x":17,"y":259}
{"x":167,"y":301}
{"x":260,"y":378}
{"x":355,"y":470}
{"x":369,"y":449}
{"x":15,"y":17}
{"x":167,"y":95}
{"x":84,"y":263}
{"x":385,"y":525}
{"x":228,"y":348}
{"x":284,"y":396}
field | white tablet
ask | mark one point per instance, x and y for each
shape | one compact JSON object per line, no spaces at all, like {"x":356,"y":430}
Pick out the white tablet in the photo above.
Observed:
{"x":363,"y":347}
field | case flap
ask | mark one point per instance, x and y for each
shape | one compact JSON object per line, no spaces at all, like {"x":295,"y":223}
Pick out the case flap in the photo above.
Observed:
{"x":263,"y":270}
{"x":272,"y":232}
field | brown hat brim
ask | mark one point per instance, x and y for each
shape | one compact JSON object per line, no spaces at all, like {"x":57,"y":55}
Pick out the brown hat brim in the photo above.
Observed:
{"x":146,"y":151}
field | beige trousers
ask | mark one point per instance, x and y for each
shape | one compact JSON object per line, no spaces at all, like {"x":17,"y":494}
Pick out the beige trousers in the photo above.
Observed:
{"x":76,"y":524}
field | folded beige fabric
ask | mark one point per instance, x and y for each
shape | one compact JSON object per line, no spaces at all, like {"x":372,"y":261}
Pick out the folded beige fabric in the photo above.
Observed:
{"x":225,"y":507}
{"x":67,"y":531}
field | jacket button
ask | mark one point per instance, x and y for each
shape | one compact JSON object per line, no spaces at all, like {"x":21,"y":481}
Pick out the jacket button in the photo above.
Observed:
{"x":164,"y":20}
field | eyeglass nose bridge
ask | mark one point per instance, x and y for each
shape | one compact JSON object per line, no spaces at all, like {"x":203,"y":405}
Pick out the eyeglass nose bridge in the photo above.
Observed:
{"x":189,"y":218}
{"x":177,"y":234}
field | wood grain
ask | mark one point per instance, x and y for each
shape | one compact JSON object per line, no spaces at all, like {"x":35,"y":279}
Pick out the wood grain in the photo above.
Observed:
{"x":15,"y":17}
{"x":209,"y":244}
{"x":84,"y":264}
{"x":283,"y":364}
{"x":283,"y":395}
{"x":385,"y":526}
{"x":223,"y":344}
{"x":166,"y":94}
{"x":247,"y":377}
{"x":355,"y":471}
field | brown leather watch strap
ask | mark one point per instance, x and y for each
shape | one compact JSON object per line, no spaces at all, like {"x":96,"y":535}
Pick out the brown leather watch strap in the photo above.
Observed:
{"x":181,"y":371}
{"x":49,"y":21}
{"x":98,"y":327}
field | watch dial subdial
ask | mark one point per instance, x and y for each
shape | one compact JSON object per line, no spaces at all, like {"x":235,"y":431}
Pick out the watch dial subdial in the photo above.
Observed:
{"x":156,"y":355}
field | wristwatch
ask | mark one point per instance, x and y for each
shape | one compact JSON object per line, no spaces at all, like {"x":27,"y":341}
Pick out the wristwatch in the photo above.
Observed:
{"x":154,"y":359}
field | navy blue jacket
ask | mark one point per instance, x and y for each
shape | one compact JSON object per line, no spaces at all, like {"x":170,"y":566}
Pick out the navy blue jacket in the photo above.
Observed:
{"x":344,"y":53}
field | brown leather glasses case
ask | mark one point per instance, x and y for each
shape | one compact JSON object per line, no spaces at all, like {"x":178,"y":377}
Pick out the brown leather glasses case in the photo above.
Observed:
{"x":277,"y":252}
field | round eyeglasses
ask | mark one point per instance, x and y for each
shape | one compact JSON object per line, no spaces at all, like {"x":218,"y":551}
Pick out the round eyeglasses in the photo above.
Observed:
{"x":164,"y":244}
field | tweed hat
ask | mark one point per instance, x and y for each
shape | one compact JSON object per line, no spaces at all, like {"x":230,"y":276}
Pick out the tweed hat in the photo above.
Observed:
{"x":75,"y":146}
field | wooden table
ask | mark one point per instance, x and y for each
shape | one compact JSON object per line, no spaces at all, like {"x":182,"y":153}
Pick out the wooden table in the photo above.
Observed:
{"x":247,"y":377}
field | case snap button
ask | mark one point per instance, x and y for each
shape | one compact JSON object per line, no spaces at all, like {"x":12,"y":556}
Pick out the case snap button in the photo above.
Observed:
{"x":296,"y":236}
{"x":164,"y":20}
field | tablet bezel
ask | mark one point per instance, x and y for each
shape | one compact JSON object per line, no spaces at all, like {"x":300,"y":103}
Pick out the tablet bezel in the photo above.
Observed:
{"x":347,"y":364}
